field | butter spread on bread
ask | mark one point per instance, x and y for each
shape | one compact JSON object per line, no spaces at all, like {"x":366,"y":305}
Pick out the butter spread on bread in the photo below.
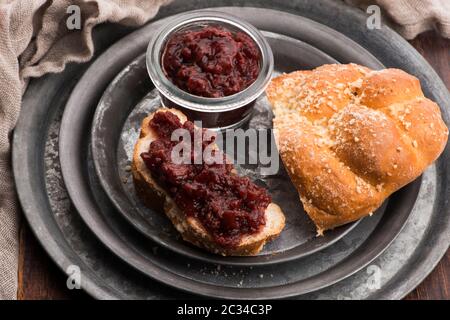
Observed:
{"x":350,"y":136}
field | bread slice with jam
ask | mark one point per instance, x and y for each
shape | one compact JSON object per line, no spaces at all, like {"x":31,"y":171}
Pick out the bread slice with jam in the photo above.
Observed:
{"x":191,"y":229}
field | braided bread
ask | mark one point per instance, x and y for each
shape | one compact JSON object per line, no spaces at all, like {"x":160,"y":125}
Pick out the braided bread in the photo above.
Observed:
{"x":350,"y":136}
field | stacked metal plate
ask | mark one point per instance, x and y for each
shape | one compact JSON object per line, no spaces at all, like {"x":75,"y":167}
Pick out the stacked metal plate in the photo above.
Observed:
{"x":75,"y":137}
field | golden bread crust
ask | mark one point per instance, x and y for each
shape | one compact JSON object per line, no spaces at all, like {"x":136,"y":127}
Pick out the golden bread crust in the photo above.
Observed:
{"x":349,"y":137}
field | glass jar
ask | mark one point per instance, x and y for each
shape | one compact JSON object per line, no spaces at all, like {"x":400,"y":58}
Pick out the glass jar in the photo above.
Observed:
{"x":224,"y":112}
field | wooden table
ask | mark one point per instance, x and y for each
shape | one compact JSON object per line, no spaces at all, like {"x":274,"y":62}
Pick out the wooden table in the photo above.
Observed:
{"x":39,"y":278}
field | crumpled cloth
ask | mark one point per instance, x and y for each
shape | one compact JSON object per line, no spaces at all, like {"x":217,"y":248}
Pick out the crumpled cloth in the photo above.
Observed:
{"x":35,"y":40}
{"x":412,"y":17}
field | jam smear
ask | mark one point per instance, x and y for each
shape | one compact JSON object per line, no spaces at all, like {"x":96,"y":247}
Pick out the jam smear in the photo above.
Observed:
{"x":228,"y":206}
{"x":211,"y":61}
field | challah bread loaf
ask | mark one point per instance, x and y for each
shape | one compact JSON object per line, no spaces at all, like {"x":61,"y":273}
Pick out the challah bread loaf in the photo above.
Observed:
{"x":350,"y":136}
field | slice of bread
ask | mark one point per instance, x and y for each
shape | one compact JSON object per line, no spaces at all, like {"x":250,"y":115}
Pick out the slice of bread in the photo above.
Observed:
{"x":191,"y":228}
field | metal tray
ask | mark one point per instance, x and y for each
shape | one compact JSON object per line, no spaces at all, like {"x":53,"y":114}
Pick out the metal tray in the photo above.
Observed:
{"x":266,"y":282}
{"x":131,"y":97}
{"x":47,"y":208}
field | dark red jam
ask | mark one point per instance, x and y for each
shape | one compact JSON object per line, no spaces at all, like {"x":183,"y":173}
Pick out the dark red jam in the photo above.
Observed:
{"x":212,"y":61}
{"x":228,"y":206}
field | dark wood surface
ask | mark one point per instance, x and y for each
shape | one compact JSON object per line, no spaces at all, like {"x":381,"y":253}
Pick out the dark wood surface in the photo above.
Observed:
{"x":39,"y":278}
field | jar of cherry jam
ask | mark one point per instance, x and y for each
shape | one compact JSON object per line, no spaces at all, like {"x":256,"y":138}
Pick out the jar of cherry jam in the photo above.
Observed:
{"x":210,"y":65}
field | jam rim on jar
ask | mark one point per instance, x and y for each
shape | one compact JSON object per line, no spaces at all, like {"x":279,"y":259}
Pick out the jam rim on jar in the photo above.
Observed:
{"x":198,"y":103}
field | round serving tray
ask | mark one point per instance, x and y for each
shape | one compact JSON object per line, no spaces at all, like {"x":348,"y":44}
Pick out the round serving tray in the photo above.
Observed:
{"x":86,"y":196}
{"x":115,"y":128}
{"x":284,"y":280}
{"x":47,"y":208}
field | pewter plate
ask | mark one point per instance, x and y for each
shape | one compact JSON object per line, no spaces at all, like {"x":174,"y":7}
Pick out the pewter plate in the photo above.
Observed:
{"x":131,"y":97}
{"x":263,"y":281}
{"x":410,"y":257}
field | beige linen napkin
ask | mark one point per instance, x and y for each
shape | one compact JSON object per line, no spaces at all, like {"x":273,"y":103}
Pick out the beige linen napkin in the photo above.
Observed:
{"x":412,"y":17}
{"x":34,"y":40}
